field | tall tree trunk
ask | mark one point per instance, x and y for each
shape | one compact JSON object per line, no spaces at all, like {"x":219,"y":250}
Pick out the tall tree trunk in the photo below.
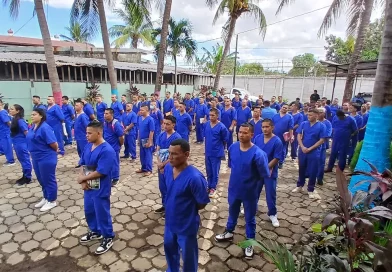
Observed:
{"x":376,"y":145}
{"x":134,"y":42}
{"x":162,"y":46}
{"x":50,"y":60}
{"x":106,"y":47}
{"x":175,"y":73}
{"x":352,"y":68}
{"x":225,"y":51}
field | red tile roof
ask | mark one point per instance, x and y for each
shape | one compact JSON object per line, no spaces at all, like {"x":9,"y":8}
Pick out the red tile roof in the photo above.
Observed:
{"x":25,"y":41}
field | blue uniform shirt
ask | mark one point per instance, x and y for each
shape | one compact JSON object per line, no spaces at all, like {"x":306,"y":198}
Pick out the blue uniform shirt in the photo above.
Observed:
{"x":282,"y":124}
{"x":227,"y":116}
{"x":342,"y":130}
{"x":304,"y":116}
{"x":117,"y":108}
{"x":88,"y":109}
{"x":20,"y":137}
{"x":111,"y":132}
{"x":298,"y":118}
{"x":4,"y":128}
{"x":80,"y":127}
{"x":145,"y":126}
{"x":158,"y":119}
{"x":275,"y":106}
{"x":248,"y":168}
{"x":359,"y":120}
{"x":256,"y":127}
{"x":236,"y":104}
{"x":201,"y":112}
{"x":38,"y":142}
{"x":54,"y":116}
{"x":130,"y":118}
{"x":164,"y":142}
{"x":243,"y":115}
{"x":168,"y":105}
{"x":136,"y":107}
{"x":184,"y":195}
{"x":68,"y":112}
{"x":312,"y":134}
{"x":124,"y":105}
{"x":39,"y":106}
{"x":183,"y":123}
{"x":273,"y":148}
{"x":328,"y":112}
{"x":268,"y":113}
{"x":101,"y":107}
{"x":215,"y":137}
{"x":100,"y":159}
{"x":328,"y":129}
{"x":189,"y":104}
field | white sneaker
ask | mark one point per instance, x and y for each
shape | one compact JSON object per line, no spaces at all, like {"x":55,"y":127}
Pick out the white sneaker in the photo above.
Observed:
{"x":242,"y":211}
{"x":249,"y":253}
{"x":48,"y":205}
{"x":297,"y":190}
{"x":224,"y":237}
{"x":41,"y":203}
{"x":311,"y":195}
{"x":274,"y":220}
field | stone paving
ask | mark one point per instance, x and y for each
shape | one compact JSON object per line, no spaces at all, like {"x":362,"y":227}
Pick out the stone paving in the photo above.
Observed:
{"x":28,"y":236}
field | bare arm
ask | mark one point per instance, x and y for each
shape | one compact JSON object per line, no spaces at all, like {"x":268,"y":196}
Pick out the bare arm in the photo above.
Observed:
{"x":54,"y":146}
{"x":272,"y":163}
{"x":121,"y":140}
{"x":320,"y":142}
{"x":150,"y":137}
{"x":94,"y":175}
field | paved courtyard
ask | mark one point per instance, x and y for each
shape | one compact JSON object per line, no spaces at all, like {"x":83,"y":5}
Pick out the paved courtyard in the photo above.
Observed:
{"x":35,"y":241}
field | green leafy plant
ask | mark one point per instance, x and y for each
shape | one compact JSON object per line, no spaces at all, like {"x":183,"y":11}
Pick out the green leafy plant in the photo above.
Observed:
{"x":91,"y":93}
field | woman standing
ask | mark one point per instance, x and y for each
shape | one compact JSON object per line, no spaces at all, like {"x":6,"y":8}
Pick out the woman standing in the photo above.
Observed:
{"x":43,"y":148}
{"x":19,"y":130}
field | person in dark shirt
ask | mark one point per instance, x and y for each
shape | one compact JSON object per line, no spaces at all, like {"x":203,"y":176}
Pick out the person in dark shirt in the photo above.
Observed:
{"x":314,"y":97}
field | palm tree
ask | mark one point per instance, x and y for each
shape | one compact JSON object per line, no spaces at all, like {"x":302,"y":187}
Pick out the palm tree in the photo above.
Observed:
{"x":50,"y":60}
{"x":76,"y":33}
{"x":235,"y":9}
{"x":376,"y":145}
{"x":215,"y":56}
{"x":163,"y":45}
{"x":90,"y":12}
{"x":359,"y":13}
{"x":138,"y":25}
{"x":178,"y":40}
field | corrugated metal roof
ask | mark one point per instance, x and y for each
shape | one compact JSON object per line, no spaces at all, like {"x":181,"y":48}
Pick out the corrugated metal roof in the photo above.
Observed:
{"x":90,"y":62}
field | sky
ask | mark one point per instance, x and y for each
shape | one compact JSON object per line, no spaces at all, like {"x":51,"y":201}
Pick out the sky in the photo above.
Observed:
{"x":283,"y":40}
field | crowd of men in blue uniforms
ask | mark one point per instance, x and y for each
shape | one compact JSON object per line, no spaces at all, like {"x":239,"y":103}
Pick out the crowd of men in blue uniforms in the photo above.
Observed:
{"x":265,"y":131}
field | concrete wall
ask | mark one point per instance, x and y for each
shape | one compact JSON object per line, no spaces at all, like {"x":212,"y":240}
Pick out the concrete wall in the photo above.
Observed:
{"x":21,"y":92}
{"x":293,"y":87}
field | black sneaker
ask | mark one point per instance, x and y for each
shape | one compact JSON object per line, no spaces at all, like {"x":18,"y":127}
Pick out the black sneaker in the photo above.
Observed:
{"x":227,"y":236}
{"x":77,"y":166}
{"x":280,"y":166}
{"x":160,"y":210}
{"x":105,"y":245}
{"x":23,"y":181}
{"x":320,"y":182}
{"x":90,"y":236}
{"x":124,"y":157}
{"x":20,"y":180}
{"x":115,"y":182}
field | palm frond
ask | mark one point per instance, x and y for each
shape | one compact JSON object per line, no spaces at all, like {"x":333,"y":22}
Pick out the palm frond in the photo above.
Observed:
{"x":355,"y":10}
{"x":121,"y":41}
{"x":219,"y":11}
{"x":86,"y":12}
{"x":282,"y":4}
{"x":333,"y":13}
{"x":116,"y":31}
{"x":211,"y":3}
{"x":257,"y":13}
{"x":13,"y":6}
{"x":66,"y":38}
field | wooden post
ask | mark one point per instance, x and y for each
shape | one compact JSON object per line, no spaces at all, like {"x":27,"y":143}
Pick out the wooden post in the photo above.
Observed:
{"x":27,"y":71}
{"x":106,"y":76}
{"x":42,"y":73}
{"x":130,"y":77}
{"x":125,"y":75}
{"x":69,"y":74}
{"x":92,"y":75}
{"x":120,"y":74}
{"x":20,"y":71}
{"x":147,"y":77}
{"x":75,"y":74}
{"x":151,"y":77}
{"x":142,"y":77}
{"x":88,"y":80}
{"x":100,"y":72}
{"x":62,"y":73}
{"x":81,"y":74}
{"x":12,"y":72}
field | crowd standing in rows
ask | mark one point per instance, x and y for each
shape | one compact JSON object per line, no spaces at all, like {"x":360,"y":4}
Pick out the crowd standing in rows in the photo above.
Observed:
{"x":264,"y":132}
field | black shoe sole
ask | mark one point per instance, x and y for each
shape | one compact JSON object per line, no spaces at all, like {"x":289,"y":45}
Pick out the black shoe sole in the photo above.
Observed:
{"x":248,"y":258}
{"x":106,"y":250}
{"x":91,"y":240}
{"x":225,"y":240}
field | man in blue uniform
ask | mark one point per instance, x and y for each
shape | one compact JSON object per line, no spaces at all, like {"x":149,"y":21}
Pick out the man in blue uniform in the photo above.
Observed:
{"x":186,"y":195}
{"x":244,"y":114}
{"x":69,"y":116}
{"x":117,"y":108}
{"x":129,"y":121}
{"x":214,"y":105}
{"x":146,"y":128}
{"x":283,"y":123}
{"x":334,"y":108}
{"x":275,"y":105}
{"x":168,"y":104}
{"x":229,"y":119}
{"x":113,"y":133}
{"x":100,"y":108}
{"x":5,"y":135}
{"x":184,"y":122}
{"x":328,"y":112}
{"x":353,"y":109}
{"x":216,"y":136}
{"x":365,"y":118}
{"x":55,"y":119}
{"x":249,"y":166}
{"x":280,"y":101}
{"x":273,"y":147}
{"x":297,"y":119}
{"x":268,"y":112}
{"x":200,"y":119}
{"x":80,"y":128}
{"x":37,"y":103}
{"x":324,"y":146}
{"x":95,"y":179}
{"x":256,"y":122}
{"x":190,"y":105}
{"x":157,"y":115}
{"x":311,"y":135}
{"x":164,"y":141}
{"x":236,"y":101}
{"x":88,"y":109}
{"x":124,"y":101}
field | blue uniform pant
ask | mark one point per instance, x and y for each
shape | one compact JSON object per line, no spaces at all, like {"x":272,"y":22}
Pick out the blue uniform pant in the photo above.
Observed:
{"x":162,"y":187}
{"x":185,"y":136}
{"x":1,"y":150}
{"x":250,"y":209}
{"x":97,"y":212}
{"x":146,"y":158}
{"x":320,"y":172}
{"x":270,"y":194}
{"x":230,"y":140}
{"x":130,"y":145}
{"x":45,"y":170}
{"x":6,"y":144}
{"x":353,"y":144}
{"x":116,"y":166}
{"x":68,"y":128}
{"x":80,"y":145}
{"x":308,"y":166}
{"x":23,"y":156}
{"x":294,"y":147}
{"x":339,"y":150}
{"x":212,"y":168}
{"x":58,"y":133}
{"x":285,"y":149}
{"x":199,"y":132}
{"x":173,"y":243}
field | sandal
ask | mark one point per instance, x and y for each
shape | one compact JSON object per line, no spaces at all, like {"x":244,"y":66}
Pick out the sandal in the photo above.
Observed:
{"x":139,"y":171}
